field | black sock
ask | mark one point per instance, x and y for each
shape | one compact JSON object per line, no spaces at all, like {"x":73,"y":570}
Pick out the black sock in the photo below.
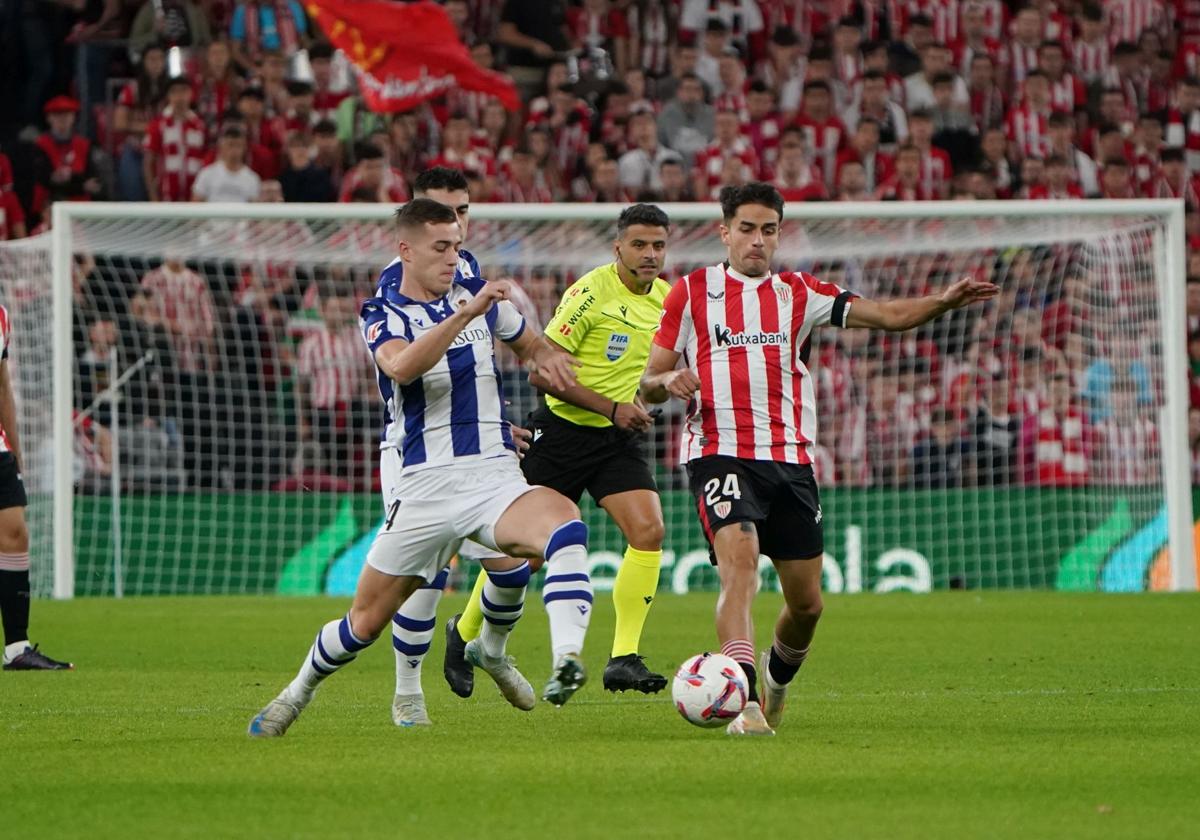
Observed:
{"x":752,"y":678}
{"x":781,"y":672}
{"x":14,"y":605}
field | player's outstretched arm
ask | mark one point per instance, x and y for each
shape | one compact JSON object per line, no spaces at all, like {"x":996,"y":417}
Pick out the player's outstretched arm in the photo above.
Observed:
{"x":405,"y":362}
{"x":661,"y":381}
{"x":555,"y":368}
{"x":905,"y":313}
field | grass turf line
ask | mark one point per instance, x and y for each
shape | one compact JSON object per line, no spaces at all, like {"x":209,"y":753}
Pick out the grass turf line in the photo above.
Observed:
{"x":949,"y":715}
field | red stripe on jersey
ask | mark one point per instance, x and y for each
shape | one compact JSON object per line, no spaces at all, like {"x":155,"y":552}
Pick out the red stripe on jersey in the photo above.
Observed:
{"x":698,"y":297}
{"x":739,"y":371}
{"x":769,"y":310}
{"x":672,"y":317}
{"x":704,"y":523}
{"x":799,"y":305}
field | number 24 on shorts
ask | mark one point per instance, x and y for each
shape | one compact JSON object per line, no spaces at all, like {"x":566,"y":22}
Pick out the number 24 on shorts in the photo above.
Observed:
{"x":715,"y":489}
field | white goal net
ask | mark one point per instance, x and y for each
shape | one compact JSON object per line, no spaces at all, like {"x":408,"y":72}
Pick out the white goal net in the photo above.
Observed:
{"x":1038,"y":441}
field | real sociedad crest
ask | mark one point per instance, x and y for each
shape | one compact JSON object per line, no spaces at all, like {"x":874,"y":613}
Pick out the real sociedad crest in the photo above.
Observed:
{"x":618,"y":343}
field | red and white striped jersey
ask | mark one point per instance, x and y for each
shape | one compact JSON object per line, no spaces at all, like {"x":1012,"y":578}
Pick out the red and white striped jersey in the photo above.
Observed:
{"x":1029,"y":131}
{"x":1127,"y":451}
{"x":183,"y":301}
{"x":936,"y":172}
{"x":180,"y":142}
{"x":336,"y":366}
{"x":1090,"y":60}
{"x":1145,"y":171}
{"x":652,"y":28}
{"x":5,"y":339}
{"x":1018,"y":59}
{"x":995,"y":18}
{"x":1183,"y":131}
{"x":1189,"y":190}
{"x":825,"y":138}
{"x":710,"y":164}
{"x":1055,"y":449}
{"x":747,"y":340}
{"x":392,"y":188}
{"x":987,"y":108}
{"x":1185,"y":17}
{"x":1127,"y":19}
{"x":1068,"y":94}
{"x":893,"y":189}
{"x":944,"y":14}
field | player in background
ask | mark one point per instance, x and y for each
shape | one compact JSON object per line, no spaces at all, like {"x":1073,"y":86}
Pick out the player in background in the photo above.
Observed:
{"x":743,"y":333}
{"x":413,"y":624}
{"x":19,"y":655}
{"x":459,"y":476}
{"x":593,"y":437}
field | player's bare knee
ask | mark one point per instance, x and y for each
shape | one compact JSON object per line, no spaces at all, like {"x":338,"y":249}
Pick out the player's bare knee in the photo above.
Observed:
{"x":647,"y":535}
{"x":14,"y":536}
{"x":806,"y":608}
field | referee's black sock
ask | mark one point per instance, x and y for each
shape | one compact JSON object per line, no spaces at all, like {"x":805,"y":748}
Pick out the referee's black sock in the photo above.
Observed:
{"x":14,"y":605}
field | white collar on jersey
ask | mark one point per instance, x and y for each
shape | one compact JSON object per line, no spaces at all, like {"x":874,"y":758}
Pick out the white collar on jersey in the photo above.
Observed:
{"x":745,"y":278}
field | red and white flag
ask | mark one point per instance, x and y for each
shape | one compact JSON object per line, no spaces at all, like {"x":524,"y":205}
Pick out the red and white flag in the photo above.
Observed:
{"x":405,"y":53}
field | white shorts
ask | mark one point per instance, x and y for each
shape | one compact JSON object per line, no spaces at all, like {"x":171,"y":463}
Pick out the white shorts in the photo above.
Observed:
{"x":438,"y":510}
{"x":389,"y":478}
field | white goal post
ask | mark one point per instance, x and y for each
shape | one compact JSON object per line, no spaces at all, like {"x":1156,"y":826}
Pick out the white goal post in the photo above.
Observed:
{"x":1070,"y":238}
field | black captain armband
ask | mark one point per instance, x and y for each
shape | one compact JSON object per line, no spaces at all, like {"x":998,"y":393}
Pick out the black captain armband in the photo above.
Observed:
{"x":841,"y":309}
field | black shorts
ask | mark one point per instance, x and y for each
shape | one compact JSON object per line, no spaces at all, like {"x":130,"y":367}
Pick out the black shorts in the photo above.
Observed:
{"x":570,"y":458}
{"x":12,"y":490}
{"x":780,"y":499}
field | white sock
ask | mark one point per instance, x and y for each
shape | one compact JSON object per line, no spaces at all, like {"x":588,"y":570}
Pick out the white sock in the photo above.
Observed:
{"x":335,"y":646}
{"x":502,"y":604}
{"x":14,"y":650}
{"x":412,"y":631}
{"x":567,"y":592}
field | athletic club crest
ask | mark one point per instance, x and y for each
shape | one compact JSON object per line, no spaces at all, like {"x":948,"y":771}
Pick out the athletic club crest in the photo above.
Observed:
{"x":783,"y":292}
{"x":618,"y":343}
{"x":721,"y":509}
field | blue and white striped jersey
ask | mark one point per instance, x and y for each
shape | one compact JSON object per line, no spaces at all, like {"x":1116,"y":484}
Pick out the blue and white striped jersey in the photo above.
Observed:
{"x":454,"y":413}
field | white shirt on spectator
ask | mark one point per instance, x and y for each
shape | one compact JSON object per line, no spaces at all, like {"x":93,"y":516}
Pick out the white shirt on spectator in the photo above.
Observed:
{"x":639,"y":170}
{"x":217,"y":182}
{"x":918,"y":93}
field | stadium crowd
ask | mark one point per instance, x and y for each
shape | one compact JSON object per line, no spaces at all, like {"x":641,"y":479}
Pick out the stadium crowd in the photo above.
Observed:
{"x":627,"y":100}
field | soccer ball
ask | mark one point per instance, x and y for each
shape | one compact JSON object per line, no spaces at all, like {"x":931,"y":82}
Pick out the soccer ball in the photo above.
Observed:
{"x":709,"y":690}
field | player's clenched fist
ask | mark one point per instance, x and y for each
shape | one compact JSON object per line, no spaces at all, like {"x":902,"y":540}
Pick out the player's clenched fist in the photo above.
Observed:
{"x":491,"y":293}
{"x":631,"y":417}
{"x":682,"y":383}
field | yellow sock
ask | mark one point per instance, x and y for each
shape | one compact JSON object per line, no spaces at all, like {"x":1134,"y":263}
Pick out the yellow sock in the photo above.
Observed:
{"x":633,"y":591}
{"x":472,"y":617}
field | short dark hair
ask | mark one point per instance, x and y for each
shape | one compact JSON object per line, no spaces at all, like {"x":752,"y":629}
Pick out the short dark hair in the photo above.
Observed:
{"x":299,"y":87}
{"x":756,"y":192}
{"x":367,"y":151}
{"x":234,"y":131}
{"x":439,"y":178}
{"x":642,"y":214}
{"x":320,"y":50}
{"x":1037,"y":74}
{"x":817,"y":84}
{"x":424,"y":211}
{"x":943,"y":78}
{"x":325,"y":128}
{"x":1171,"y":154}
{"x":178,"y":81}
{"x":252,"y":93}
{"x":1059,"y":119}
{"x":874,"y":75}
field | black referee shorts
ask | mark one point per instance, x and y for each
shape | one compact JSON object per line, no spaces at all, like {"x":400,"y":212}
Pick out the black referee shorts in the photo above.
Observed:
{"x":780,"y":499}
{"x":570,"y":458}
{"x":12,"y":489}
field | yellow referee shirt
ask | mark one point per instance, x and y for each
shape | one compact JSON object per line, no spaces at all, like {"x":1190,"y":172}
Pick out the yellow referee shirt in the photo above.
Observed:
{"x":609,"y":329}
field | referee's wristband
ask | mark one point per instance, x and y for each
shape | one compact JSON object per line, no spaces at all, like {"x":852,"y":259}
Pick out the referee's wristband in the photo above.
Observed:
{"x":612,"y":415}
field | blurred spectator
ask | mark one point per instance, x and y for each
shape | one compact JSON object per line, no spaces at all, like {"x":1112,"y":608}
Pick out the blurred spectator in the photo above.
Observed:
{"x":172,"y":23}
{"x":371,"y":176}
{"x":863,"y":149}
{"x":651,"y":28}
{"x":333,"y":383}
{"x":302,"y":179}
{"x":216,"y":89}
{"x":1119,"y":359}
{"x":1020,"y":55}
{"x":300,"y":115}
{"x":918,"y":87}
{"x":271,"y":79}
{"x":876,"y":104}
{"x":710,"y":50}
{"x":534,"y":32}
{"x":258,"y":26}
{"x":993,"y":148}
{"x":824,"y":132}
{"x":1174,"y":180}
{"x":1127,"y":449}
{"x":184,"y":306}
{"x":1055,"y":447}
{"x":1116,"y":180}
{"x":260,"y":132}
{"x":763,"y":123}
{"x":64,"y":164}
{"x":904,"y":53}
{"x":905,"y":183}
{"x":687,"y":123}
{"x":937,"y":459}
{"x":729,"y":144}
{"x":175,"y":146}
{"x":1082,"y":169}
{"x":228,"y":178}
{"x":1068,"y":94}
{"x":986,"y":98}
{"x":521,"y":182}
{"x":742,"y":19}
{"x":783,"y":70}
{"x":639,"y":167}
{"x":852,"y":183}
{"x":596,"y":25}
{"x":606,"y":184}
{"x":796,"y":178}
{"x":994,"y":427}
{"x":936,"y":168}
{"x":136,"y":105}
{"x":325,"y":98}
{"x":1090,"y":50}
{"x":675,"y":185}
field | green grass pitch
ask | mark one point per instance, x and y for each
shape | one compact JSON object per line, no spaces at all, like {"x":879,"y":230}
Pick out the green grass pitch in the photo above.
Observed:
{"x":955,"y":715}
